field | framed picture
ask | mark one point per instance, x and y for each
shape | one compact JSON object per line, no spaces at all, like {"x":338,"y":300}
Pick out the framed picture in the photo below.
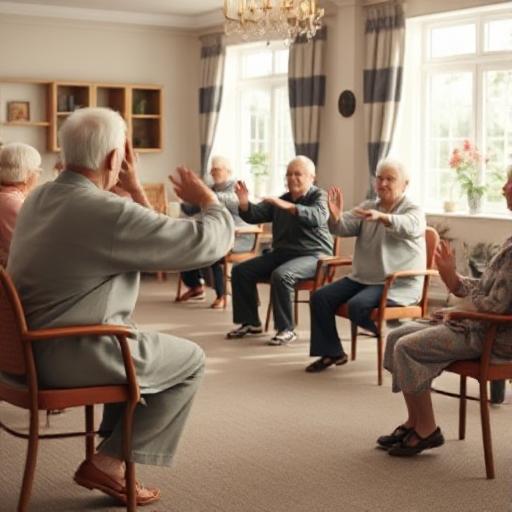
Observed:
{"x":18,"y":111}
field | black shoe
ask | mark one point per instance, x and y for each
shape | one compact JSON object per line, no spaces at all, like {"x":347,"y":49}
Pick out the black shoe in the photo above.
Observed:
{"x":324,"y":362}
{"x":395,"y":437}
{"x":403,"y":449}
{"x":244,"y":330}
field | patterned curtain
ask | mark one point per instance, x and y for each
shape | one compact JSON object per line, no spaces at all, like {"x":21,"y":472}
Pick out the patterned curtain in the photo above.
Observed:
{"x":213,"y":56}
{"x":385,"y":44}
{"x":306,"y":87}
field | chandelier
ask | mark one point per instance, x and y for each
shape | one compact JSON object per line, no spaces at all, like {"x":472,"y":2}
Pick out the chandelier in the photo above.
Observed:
{"x":284,"y":18}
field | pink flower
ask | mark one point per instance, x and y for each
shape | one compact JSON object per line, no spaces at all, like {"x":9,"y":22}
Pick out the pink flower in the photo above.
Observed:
{"x":467,"y":145}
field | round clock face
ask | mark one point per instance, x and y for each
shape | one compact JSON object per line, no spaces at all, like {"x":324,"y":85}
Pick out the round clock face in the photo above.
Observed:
{"x":346,"y":103}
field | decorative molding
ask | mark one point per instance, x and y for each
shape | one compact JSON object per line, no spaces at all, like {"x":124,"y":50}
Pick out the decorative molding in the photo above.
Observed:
{"x":110,"y":16}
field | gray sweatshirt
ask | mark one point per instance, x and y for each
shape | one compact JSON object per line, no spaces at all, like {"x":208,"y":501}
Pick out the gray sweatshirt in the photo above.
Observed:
{"x":382,"y":250}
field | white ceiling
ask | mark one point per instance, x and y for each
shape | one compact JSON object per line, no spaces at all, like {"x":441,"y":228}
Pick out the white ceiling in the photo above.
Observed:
{"x":188,"y":14}
{"x":166,"y":7}
{"x":185,"y":14}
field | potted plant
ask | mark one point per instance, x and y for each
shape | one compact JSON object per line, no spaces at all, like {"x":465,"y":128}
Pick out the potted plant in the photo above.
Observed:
{"x":466,"y":162}
{"x":260,"y":171}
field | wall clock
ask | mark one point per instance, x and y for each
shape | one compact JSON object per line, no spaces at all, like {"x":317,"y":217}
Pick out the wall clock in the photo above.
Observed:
{"x":347,"y":103}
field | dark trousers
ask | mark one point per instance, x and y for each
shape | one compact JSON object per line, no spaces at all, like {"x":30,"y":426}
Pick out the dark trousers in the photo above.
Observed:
{"x":192,"y":278}
{"x":360,"y":299}
{"x":284,"y":270}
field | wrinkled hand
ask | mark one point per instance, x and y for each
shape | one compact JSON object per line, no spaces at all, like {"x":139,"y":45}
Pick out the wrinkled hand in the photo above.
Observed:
{"x":444,"y":258}
{"x":128,"y":178}
{"x":365,"y":214}
{"x":335,"y":202}
{"x":242,"y":192}
{"x":191,"y":189}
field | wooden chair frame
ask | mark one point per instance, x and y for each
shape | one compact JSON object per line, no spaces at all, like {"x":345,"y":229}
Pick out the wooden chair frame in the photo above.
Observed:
{"x":17,"y":360}
{"x":482,"y":370}
{"x":324,"y":273}
{"x":383,"y":313}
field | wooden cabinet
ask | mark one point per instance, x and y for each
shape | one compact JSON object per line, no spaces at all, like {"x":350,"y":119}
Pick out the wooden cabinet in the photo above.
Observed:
{"x":51,"y":102}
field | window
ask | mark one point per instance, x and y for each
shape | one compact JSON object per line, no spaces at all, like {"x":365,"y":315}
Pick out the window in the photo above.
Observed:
{"x":255,"y":114}
{"x":459,"y":89}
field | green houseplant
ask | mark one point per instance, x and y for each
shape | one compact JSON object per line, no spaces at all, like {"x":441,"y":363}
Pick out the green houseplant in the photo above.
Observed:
{"x":258,"y":160}
{"x":466,"y":162}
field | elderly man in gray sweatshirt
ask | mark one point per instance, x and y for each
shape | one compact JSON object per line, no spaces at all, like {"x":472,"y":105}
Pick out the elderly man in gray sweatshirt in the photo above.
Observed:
{"x":390,"y":237}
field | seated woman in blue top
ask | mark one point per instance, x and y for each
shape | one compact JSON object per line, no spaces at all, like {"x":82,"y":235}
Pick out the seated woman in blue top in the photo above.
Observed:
{"x":224,"y":188}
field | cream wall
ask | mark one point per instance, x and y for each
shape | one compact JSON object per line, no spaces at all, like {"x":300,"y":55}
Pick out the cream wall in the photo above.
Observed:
{"x":343,"y":158}
{"x":75,"y":50}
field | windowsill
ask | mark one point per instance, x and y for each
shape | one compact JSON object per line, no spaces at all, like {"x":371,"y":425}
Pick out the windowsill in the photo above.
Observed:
{"x":466,"y":215}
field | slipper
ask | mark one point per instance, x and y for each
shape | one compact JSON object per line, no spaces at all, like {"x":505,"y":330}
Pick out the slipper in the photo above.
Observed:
{"x":89,"y":476}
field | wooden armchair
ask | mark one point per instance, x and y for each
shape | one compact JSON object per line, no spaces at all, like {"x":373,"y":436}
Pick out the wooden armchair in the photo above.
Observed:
{"x":19,"y":385}
{"x":483,"y":370}
{"x":157,"y":197}
{"x":384,"y":312}
{"x":324,"y":274}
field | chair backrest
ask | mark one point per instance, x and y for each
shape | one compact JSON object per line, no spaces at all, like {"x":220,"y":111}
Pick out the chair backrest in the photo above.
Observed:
{"x":431,"y":240}
{"x":12,"y":328}
{"x":157,"y":196}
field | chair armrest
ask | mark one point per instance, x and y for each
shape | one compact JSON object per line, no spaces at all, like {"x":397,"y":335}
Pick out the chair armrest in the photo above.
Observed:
{"x":336,"y":261}
{"x":481,"y":317}
{"x":119,"y":331}
{"x":390,"y":278}
{"x":248,"y":230}
{"x":79,"y":330}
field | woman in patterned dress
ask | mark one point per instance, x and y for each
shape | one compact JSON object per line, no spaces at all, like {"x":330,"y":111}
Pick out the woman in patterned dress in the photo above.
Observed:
{"x":419,"y":351}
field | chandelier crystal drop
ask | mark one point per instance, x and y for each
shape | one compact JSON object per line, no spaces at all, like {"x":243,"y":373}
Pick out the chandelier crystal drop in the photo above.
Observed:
{"x":287,"y":19}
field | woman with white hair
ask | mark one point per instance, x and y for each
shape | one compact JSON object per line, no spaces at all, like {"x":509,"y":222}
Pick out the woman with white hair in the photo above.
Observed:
{"x":224,"y":188}
{"x":19,"y":171}
{"x":390,"y":233}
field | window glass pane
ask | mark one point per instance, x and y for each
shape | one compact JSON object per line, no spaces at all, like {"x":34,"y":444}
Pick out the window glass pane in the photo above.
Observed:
{"x":454,"y":40}
{"x":450,"y":123}
{"x":498,"y":130}
{"x":257,"y":64}
{"x":281,"y":61}
{"x":498,"y":35}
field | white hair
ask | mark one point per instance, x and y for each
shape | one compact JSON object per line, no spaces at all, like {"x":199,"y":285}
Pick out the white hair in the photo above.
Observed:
{"x":393,"y":163}
{"x":17,"y":161}
{"x":304,"y":162}
{"x":221,"y":161}
{"x":89,"y":134}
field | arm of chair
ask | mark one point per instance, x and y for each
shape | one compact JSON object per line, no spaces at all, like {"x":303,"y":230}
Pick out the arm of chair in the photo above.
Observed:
{"x":251,"y":230}
{"x":391,"y":278}
{"x":119,"y":331}
{"x":493,"y":321}
{"x":325,"y":268}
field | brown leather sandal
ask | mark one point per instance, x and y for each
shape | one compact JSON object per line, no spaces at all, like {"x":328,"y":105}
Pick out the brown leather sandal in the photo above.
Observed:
{"x":89,"y":476}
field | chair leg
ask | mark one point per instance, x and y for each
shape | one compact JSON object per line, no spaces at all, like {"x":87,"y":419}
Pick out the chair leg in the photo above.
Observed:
{"x":462,"y":408}
{"x":131,"y":505}
{"x":269,"y":310}
{"x":30,"y":462}
{"x":225,"y":276}
{"x":380,"y":346}
{"x":486,"y":430}
{"x":296,"y":307}
{"x":178,"y":291}
{"x":353,"y":337}
{"x":89,"y":428}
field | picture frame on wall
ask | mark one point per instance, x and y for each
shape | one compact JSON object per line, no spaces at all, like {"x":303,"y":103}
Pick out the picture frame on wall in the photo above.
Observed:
{"x":18,"y":111}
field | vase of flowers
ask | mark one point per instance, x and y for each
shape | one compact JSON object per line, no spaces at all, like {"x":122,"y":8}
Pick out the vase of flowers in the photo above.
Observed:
{"x":466,"y":162}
